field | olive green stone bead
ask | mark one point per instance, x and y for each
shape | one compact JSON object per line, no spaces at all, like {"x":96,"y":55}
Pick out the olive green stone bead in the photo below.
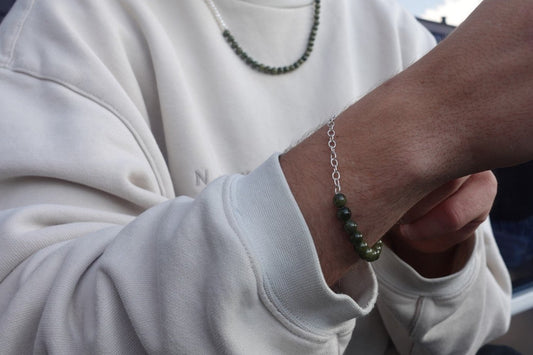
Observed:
{"x":368,"y":254}
{"x":356,"y":238}
{"x":344,"y":213}
{"x":350,"y":226}
{"x":339,"y":200}
{"x":361,"y":247}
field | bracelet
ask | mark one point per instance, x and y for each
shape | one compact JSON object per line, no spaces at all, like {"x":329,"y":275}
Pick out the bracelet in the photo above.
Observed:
{"x":343,"y":213}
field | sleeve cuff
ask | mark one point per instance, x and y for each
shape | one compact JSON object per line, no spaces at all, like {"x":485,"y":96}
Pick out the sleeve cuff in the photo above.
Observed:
{"x":396,"y":275}
{"x":282,"y":248}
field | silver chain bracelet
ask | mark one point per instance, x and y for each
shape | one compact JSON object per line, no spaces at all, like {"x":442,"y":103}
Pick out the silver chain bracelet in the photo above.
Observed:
{"x":343,"y":213}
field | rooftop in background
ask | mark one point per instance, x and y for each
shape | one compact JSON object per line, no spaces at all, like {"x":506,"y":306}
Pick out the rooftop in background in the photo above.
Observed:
{"x":439,"y":29}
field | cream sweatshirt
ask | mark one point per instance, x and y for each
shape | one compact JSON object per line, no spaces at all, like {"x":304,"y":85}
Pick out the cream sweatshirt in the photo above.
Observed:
{"x":142,"y":205}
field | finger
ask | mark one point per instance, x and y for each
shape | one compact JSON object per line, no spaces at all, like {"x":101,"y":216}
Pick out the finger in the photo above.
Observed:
{"x":432,"y":200}
{"x":469,"y":205}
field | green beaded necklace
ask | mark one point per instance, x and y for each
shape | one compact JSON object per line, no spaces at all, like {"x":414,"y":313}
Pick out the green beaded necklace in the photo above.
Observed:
{"x":254,"y":64}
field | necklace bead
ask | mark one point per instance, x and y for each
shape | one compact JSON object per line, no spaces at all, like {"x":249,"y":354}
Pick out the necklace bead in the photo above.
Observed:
{"x":254,"y":64}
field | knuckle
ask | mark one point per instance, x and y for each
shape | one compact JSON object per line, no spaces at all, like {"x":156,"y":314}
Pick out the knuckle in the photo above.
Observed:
{"x":452,"y":218}
{"x":488,"y":180}
{"x":492,"y":182}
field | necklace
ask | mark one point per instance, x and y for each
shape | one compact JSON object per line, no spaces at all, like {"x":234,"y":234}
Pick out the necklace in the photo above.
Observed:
{"x":254,"y":64}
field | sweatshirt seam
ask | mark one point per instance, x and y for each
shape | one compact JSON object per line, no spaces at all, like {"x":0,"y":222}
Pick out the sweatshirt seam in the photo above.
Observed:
{"x":264,"y":294}
{"x":416,"y":316}
{"x":105,"y":105}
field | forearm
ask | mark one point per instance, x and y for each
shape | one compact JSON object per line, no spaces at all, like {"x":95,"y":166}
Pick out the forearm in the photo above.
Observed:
{"x":457,"y":111}
{"x":384,"y":173}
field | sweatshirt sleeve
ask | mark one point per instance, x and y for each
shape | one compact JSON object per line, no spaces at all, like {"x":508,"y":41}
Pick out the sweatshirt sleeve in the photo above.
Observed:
{"x":450,"y":315}
{"x":95,"y":257}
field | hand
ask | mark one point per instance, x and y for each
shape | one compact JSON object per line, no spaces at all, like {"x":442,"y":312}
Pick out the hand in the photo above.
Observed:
{"x":466,"y":107}
{"x":436,"y":235}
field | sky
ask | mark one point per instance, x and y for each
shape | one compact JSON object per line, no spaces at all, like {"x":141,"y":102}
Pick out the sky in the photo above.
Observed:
{"x":454,"y":10}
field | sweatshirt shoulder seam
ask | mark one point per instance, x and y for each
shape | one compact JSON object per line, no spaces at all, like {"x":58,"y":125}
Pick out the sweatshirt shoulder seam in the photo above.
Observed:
{"x":102,"y":103}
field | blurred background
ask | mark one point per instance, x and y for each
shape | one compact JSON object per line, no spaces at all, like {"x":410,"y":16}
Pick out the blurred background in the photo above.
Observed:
{"x":455,"y":11}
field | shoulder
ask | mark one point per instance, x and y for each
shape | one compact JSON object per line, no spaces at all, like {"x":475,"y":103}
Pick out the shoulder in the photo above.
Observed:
{"x":390,"y":29}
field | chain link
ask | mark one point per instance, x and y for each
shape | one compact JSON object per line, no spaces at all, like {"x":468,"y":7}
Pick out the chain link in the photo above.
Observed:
{"x":356,"y":238}
{"x":336,"y":175}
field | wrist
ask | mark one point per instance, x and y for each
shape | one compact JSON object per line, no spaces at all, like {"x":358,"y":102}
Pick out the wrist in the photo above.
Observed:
{"x":383,"y":174}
